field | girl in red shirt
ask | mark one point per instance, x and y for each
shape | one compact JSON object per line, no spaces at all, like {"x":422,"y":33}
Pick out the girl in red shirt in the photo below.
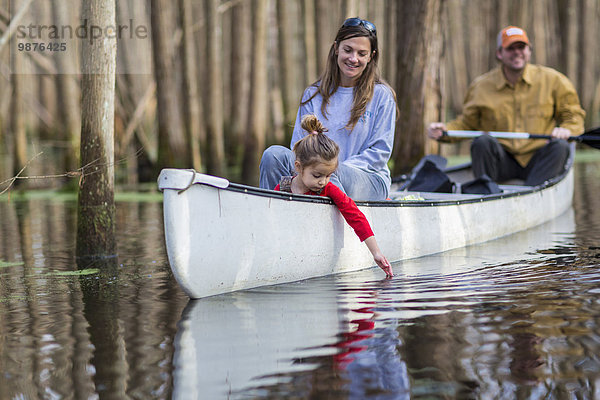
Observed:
{"x":316,"y":160}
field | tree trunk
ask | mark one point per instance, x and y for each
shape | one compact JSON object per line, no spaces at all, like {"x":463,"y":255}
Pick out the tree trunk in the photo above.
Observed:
{"x":47,"y":88}
{"x":214,"y":133}
{"x":310,"y":42}
{"x":277,"y":133}
{"x":481,"y":41}
{"x":191,"y":104}
{"x":276,"y":69}
{"x":17,"y":117}
{"x":96,"y":207}
{"x":241,"y":65}
{"x":136,"y":90}
{"x":502,"y":14}
{"x":288,"y":35}
{"x":255,"y":140}
{"x":172,"y":148}
{"x":590,"y":52}
{"x":554,"y":32}
{"x":327,"y":25}
{"x":391,"y":47}
{"x":571,"y":49}
{"x":594,"y":111}
{"x":539,"y":34}
{"x":376,"y":13}
{"x":432,"y":110}
{"x":456,"y":54}
{"x":67,"y":94}
{"x":350,"y":9}
{"x":418,"y":62}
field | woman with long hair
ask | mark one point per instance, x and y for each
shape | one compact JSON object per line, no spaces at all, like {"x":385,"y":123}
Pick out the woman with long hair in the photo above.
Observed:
{"x":358,"y":109}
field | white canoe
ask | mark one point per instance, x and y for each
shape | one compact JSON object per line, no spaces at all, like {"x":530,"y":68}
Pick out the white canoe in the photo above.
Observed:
{"x":222,"y":236}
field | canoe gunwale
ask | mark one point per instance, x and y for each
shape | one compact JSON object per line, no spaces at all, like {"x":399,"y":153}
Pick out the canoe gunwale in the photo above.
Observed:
{"x":240,"y":188}
{"x":522,"y":190}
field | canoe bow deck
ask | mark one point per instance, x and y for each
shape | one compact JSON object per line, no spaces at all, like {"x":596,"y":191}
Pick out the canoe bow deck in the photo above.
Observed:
{"x":222,"y":236}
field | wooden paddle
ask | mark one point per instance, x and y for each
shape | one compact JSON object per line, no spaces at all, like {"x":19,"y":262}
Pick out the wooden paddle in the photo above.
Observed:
{"x":591,"y":137}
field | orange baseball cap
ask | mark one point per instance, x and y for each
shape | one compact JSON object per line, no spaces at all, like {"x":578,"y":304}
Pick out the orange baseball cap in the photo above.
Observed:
{"x":510,"y":35}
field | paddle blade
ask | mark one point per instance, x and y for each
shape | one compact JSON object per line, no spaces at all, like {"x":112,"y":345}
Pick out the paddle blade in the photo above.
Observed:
{"x":591,"y":138}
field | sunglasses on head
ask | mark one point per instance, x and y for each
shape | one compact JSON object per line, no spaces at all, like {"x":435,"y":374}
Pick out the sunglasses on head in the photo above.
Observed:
{"x":358,"y":22}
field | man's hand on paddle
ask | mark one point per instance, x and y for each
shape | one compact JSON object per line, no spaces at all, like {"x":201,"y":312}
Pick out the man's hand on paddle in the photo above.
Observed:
{"x":560,"y":133}
{"x":435,"y":130}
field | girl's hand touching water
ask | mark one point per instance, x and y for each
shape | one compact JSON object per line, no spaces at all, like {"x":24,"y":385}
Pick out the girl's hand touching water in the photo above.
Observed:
{"x":378,"y":256}
{"x":384,"y":264}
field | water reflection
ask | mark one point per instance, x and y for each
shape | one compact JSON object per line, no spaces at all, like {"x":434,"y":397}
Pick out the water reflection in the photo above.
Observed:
{"x":225,"y":342}
{"x":257,"y":342}
{"x":67,"y":333}
{"x":437,"y":329}
{"x":513,"y":318}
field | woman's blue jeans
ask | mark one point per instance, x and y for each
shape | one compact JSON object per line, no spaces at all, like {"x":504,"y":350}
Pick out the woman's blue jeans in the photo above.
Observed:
{"x":278,"y":161}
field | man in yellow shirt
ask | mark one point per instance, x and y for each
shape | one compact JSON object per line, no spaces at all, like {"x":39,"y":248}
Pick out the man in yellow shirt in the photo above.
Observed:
{"x":518,"y":97}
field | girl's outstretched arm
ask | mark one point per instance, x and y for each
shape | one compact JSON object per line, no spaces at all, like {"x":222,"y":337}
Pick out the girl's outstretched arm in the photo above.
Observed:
{"x":378,"y":256}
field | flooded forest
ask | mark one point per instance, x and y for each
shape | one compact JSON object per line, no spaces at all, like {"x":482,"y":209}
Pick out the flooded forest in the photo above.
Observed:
{"x":210,"y":84}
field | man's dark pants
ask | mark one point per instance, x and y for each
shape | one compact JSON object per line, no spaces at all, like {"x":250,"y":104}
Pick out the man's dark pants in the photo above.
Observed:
{"x":490,"y":158}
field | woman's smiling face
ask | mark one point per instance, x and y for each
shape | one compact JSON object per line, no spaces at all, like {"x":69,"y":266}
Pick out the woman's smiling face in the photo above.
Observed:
{"x":353,"y":55}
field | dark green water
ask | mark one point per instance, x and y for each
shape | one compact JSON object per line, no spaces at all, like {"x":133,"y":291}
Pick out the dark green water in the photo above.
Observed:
{"x":514,"y":318}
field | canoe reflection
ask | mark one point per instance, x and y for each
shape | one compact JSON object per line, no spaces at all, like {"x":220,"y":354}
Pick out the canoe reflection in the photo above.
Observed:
{"x":349,"y":334}
{"x":225,"y":342}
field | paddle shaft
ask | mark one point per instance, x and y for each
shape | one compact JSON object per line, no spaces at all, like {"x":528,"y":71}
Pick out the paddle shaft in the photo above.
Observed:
{"x":592,"y":135}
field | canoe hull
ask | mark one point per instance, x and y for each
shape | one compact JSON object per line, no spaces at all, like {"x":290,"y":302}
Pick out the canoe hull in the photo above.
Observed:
{"x":222,"y":238}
